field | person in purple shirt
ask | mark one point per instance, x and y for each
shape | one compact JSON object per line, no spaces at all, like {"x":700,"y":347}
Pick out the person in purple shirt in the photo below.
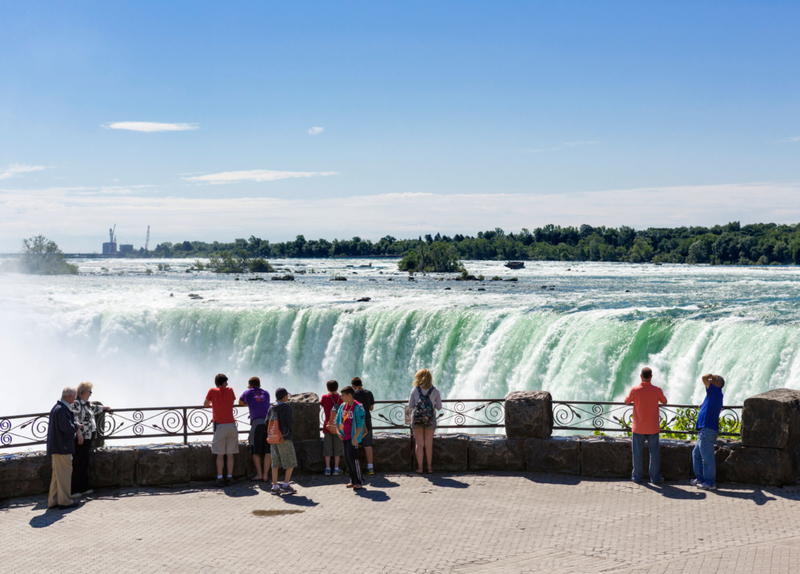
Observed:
{"x":705,"y":468}
{"x":257,"y":401}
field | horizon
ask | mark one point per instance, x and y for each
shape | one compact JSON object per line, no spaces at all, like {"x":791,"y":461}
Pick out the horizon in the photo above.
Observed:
{"x":402,"y":118}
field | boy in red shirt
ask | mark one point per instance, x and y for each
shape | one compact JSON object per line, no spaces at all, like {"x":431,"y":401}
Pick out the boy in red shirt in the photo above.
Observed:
{"x":646,"y":426}
{"x":331,"y":444}
{"x":226,"y":437}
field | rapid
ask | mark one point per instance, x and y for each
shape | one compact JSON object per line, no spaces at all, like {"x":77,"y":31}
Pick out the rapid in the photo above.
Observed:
{"x":579,"y":330}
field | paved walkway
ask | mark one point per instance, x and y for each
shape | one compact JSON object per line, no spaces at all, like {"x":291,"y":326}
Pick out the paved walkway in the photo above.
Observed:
{"x":464,"y":524}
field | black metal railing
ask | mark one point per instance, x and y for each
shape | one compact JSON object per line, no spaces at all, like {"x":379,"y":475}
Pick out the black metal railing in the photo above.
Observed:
{"x":455,"y":414}
{"x":124,"y":424}
{"x":606,"y":417}
{"x":194,"y":421}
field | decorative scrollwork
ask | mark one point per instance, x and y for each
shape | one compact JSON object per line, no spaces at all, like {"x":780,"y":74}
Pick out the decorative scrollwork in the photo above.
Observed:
{"x":111,"y":425}
{"x":393,"y":415}
{"x":564,"y":414}
{"x":171,"y":422}
{"x":5,"y":427}
{"x":198,"y":420}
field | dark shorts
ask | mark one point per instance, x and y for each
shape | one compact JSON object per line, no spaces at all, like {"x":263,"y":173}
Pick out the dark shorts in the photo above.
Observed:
{"x":258,"y":442}
{"x":367,"y":440}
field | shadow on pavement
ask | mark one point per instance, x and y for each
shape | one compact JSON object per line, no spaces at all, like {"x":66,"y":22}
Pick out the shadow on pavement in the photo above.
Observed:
{"x":298,"y":500}
{"x":311,"y":481}
{"x":670,"y":491}
{"x":240,"y":490}
{"x":373,"y":495}
{"x":571,"y":480}
{"x":50,"y":517}
{"x":446,"y":482}
{"x":381,"y":481}
{"x":758,"y":496}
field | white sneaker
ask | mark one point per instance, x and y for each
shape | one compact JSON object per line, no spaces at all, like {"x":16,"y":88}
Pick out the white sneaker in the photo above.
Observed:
{"x":75,"y":496}
{"x":338,"y":472}
{"x":695,"y":482}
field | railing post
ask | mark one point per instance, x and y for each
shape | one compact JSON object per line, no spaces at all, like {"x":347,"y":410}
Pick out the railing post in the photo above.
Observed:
{"x":185,"y":427}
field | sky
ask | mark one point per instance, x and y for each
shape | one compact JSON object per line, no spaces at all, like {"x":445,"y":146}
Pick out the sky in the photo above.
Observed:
{"x":212,"y":121}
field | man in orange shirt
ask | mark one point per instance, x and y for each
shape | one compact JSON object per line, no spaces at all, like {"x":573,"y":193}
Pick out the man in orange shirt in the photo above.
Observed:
{"x":646,"y":425}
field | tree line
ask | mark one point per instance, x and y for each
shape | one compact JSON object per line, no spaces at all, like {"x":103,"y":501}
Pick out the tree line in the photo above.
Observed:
{"x":731,"y":244}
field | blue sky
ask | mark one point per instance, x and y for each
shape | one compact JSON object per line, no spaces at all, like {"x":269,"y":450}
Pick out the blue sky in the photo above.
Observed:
{"x":446,"y":116}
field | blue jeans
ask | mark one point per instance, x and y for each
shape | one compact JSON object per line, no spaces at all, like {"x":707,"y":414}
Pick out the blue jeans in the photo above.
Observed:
{"x":637,"y":442}
{"x":705,"y":468}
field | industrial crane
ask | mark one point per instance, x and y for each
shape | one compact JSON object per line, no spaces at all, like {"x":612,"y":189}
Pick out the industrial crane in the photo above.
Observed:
{"x":147,"y":241}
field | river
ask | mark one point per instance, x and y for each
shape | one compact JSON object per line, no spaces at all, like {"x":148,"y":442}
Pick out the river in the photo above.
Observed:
{"x":579,"y":330}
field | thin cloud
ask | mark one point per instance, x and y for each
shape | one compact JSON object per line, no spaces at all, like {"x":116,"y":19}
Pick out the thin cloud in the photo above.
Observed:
{"x":150,"y":127}
{"x":253,"y":175}
{"x":789,"y":140}
{"x":316,"y":130}
{"x":17,"y":169}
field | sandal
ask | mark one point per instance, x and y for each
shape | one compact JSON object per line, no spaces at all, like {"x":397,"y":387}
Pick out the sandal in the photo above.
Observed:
{"x":418,"y":471}
{"x":429,"y":471}
{"x":349,"y":485}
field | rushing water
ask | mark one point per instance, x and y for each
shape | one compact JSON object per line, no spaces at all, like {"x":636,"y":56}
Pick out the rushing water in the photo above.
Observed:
{"x":585,"y":339}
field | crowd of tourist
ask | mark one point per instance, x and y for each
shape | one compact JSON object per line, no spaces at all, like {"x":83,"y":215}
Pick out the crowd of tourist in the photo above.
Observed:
{"x":347,"y":427}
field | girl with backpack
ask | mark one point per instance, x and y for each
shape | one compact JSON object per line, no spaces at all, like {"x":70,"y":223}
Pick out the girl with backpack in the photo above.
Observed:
{"x":425,"y":400}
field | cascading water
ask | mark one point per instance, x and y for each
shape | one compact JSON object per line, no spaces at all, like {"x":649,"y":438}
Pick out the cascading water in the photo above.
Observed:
{"x":584,"y":340}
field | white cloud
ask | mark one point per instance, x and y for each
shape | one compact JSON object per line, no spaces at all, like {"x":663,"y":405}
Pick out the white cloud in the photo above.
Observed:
{"x":790,"y":140}
{"x":17,"y":169}
{"x":316,"y":130}
{"x":55,"y":212}
{"x":150,"y":127}
{"x":253,"y":175}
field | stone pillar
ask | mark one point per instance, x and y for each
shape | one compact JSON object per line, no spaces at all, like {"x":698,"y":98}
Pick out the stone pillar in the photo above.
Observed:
{"x":529,"y":414}
{"x":305,"y":408}
{"x":772,"y":419}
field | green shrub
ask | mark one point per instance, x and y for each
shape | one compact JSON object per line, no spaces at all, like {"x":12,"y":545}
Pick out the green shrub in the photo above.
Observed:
{"x":41,"y":256}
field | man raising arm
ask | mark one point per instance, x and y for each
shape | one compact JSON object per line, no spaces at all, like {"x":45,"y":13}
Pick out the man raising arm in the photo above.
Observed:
{"x":705,"y":468}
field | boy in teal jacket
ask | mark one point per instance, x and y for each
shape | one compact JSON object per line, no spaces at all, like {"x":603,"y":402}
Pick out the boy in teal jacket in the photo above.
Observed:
{"x":350,"y":420}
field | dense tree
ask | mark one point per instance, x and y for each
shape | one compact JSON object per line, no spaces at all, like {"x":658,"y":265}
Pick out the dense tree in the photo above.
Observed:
{"x":730,"y":244}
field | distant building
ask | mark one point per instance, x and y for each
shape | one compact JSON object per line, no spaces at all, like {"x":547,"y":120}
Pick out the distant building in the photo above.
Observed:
{"x":123,"y":249}
{"x":110,"y":248}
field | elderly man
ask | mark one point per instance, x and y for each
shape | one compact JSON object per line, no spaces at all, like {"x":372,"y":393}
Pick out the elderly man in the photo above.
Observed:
{"x":61,"y":435}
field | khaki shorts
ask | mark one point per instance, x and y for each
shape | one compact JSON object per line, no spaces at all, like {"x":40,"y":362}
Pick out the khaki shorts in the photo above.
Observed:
{"x":226,"y":439}
{"x":283,"y":455}
{"x":332,"y":445}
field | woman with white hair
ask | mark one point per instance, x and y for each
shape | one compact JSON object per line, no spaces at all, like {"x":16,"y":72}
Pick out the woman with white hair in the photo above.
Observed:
{"x":85,"y":413}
